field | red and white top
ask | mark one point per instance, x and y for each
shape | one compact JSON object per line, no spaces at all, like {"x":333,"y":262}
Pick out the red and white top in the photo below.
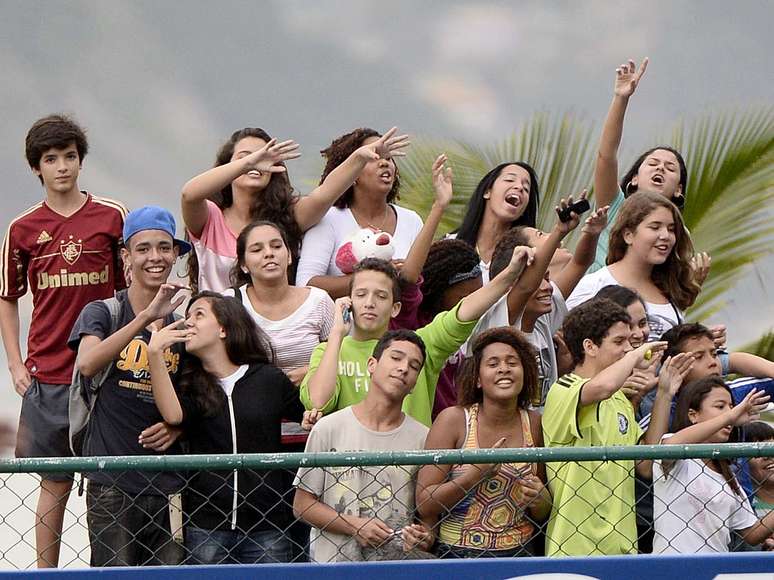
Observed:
{"x":67,"y":262}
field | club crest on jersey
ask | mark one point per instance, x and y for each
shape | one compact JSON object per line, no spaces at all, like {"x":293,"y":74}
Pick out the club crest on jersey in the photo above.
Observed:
{"x":623,"y":424}
{"x":70,"y":250}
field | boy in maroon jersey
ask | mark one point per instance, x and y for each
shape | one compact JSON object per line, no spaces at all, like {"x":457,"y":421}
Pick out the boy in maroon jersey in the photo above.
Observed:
{"x":65,"y":249}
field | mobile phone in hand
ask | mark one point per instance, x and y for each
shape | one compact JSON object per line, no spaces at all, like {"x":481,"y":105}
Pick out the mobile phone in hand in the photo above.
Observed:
{"x":578,"y":207}
{"x":347,"y":314}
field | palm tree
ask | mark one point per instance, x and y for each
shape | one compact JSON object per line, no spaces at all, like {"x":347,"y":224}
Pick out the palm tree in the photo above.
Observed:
{"x":730,"y":184}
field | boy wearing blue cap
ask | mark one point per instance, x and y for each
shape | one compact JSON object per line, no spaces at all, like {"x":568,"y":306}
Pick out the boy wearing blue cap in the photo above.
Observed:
{"x":64,"y":250}
{"x":129,"y":512}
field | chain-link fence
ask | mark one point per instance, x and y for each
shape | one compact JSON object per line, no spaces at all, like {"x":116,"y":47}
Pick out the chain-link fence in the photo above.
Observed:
{"x":363,"y":506}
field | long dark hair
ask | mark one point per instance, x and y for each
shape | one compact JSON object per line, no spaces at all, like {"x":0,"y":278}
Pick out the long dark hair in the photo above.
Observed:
{"x":626,"y":180}
{"x":467,"y":379}
{"x":468,"y":230}
{"x":274,"y":204}
{"x":339,"y":150}
{"x":445,"y":259}
{"x":245,"y":344}
{"x":691,"y":397}
{"x":238,"y":276}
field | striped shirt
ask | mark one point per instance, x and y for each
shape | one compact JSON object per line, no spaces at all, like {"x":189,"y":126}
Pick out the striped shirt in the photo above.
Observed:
{"x":296,"y":336}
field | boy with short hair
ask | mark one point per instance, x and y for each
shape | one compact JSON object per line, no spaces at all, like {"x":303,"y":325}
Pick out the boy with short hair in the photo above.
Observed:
{"x":367,"y":513}
{"x":593,"y":509}
{"x":337,"y":374}
{"x":65,"y":250}
{"x":129,"y":512}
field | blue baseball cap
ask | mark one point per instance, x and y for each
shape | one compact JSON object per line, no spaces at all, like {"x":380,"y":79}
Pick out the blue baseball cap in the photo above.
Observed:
{"x":152,"y":217}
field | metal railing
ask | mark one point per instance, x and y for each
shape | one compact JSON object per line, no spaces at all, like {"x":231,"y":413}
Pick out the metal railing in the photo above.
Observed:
{"x":273,"y":473}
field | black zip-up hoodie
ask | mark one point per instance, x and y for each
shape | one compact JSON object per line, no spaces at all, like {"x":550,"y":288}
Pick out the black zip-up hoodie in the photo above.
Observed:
{"x":247,"y":422}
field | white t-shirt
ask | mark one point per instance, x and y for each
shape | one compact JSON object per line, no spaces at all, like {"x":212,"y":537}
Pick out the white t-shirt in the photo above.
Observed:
{"x":318,"y":251}
{"x":542,"y":338}
{"x":695,"y":509}
{"x":661,"y":317}
{"x":227,"y":383}
{"x":295,"y":336}
{"x":386,"y":493}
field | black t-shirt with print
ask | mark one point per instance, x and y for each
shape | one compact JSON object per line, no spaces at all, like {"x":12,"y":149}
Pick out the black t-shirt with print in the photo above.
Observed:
{"x":125,"y":405}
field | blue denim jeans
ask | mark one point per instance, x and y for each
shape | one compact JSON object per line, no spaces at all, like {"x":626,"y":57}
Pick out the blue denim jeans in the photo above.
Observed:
{"x":129,"y":530}
{"x":237,"y":547}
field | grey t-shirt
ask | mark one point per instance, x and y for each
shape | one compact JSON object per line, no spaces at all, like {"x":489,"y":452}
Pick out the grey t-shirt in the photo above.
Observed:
{"x":385,"y":492}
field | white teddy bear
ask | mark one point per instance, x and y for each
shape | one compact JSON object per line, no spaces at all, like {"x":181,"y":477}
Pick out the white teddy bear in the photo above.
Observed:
{"x":364,"y":243}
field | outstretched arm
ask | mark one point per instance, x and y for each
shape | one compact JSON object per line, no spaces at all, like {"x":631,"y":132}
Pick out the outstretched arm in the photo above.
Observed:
{"x":606,"y":170}
{"x":442,"y":183}
{"x":95,"y":354}
{"x":530,"y":280}
{"x":750,"y":365}
{"x":311,"y":208}
{"x":196,"y":192}
{"x":473,"y":306}
{"x":585,"y":252}
{"x":606,"y":383}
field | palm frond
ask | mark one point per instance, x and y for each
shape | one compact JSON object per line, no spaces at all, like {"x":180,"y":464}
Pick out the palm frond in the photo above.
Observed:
{"x":730,"y":157}
{"x":559,"y":147}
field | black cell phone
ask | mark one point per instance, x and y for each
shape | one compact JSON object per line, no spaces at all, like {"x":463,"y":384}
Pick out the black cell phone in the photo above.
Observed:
{"x":578,"y":207}
{"x":347,"y":315}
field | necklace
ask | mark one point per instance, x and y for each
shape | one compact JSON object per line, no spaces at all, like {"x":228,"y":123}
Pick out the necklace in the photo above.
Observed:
{"x":369,"y":224}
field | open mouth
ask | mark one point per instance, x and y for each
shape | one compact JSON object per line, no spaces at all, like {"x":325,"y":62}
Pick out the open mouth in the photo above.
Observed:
{"x":255,"y":173}
{"x":504,"y":382}
{"x":155,"y":270}
{"x":513,"y":199}
{"x":657,"y":179}
{"x":386,"y":176}
{"x":662,"y":248}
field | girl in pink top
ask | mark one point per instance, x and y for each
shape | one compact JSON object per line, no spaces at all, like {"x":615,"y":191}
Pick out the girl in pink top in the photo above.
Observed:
{"x":249,"y":182}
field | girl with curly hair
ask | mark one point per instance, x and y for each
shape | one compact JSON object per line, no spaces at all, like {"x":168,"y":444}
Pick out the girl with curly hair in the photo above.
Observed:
{"x":497,"y":384}
{"x":249,"y":182}
{"x":367,"y":202}
{"x":650,"y":253}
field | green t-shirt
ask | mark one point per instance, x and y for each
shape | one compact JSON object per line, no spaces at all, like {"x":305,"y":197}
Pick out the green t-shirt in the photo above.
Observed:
{"x":593,"y":511}
{"x":442,"y":337}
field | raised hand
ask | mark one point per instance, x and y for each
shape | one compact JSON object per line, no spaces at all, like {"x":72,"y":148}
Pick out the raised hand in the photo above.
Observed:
{"x":387,"y":146}
{"x":342,"y":322}
{"x":267,"y":158}
{"x":646,"y":353}
{"x":750,"y":408}
{"x":627,"y":77}
{"x":596,"y":222}
{"x":674,"y":371}
{"x":442,"y":181}
{"x":164,"y":337}
{"x":162,"y":304}
{"x":718,"y":335}
{"x":568,"y":226}
{"x":522,"y":257}
{"x":700,"y":264}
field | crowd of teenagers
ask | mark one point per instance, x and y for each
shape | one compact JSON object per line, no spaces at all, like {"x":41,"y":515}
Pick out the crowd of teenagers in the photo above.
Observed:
{"x":333,"y":322}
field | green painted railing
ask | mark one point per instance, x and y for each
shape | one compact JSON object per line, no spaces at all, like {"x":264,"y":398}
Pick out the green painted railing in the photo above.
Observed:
{"x":266,"y":461}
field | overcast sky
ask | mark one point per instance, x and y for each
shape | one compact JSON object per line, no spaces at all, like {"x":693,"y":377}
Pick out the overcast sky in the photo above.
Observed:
{"x":160,"y":85}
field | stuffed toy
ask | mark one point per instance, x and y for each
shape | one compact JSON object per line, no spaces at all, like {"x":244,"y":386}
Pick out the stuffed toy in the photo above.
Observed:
{"x":364,"y":243}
